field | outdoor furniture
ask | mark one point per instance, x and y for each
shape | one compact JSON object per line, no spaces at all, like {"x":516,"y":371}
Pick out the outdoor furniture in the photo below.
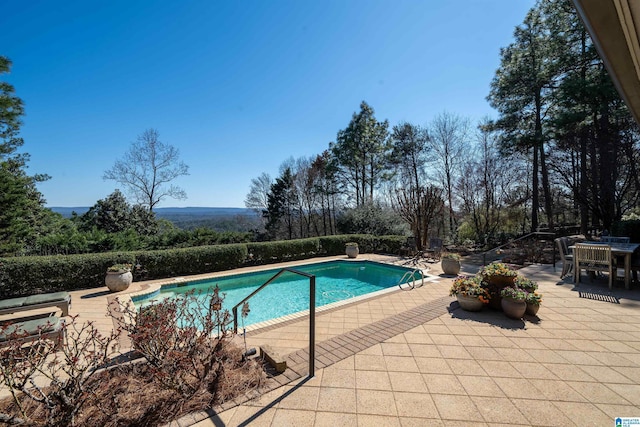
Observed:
{"x":435,"y":248}
{"x":565,"y":256}
{"x":409,"y":247}
{"x":55,"y":299}
{"x":593,"y":257}
{"x":618,"y":249}
{"x":32,"y":330}
{"x":615,"y":239}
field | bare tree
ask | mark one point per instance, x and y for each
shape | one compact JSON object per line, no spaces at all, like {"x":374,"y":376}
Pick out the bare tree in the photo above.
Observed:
{"x":258,"y":197}
{"x":448,"y":137}
{"x":147,"y":169}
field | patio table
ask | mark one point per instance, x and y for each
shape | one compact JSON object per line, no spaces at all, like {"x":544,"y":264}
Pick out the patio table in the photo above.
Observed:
{"x":617,"y":249}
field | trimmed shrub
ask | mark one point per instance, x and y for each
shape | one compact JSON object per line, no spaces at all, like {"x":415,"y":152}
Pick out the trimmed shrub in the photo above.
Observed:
{"x":21,"y":276}
{"x":283,"y":250}
{"x":335,"y":245}
{"x":186,"y":261}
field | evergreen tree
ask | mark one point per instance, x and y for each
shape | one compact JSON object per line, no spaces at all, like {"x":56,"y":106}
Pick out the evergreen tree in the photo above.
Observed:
{"x":21,"y":204}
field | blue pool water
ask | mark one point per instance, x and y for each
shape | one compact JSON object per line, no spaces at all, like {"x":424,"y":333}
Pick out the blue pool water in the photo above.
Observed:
{"x":335,"y":281}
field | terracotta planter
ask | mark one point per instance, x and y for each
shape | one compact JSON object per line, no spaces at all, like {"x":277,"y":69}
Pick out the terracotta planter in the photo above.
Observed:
{"x":352,"y":251}
{"x":513,"y":308}
{"x":118,"y":281}
{"x":450,"y":267}
{"x":532,"y":309}
{"x":469,"y":303}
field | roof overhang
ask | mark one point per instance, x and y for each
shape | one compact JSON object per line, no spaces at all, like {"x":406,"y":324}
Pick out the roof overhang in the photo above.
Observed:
{"x":614,"y":29}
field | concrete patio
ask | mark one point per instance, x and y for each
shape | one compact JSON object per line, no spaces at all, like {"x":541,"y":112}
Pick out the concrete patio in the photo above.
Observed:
{"x":415,"y":358}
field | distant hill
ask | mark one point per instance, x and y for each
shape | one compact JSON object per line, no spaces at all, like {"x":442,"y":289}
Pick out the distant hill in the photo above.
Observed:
{"x":219,"y":219}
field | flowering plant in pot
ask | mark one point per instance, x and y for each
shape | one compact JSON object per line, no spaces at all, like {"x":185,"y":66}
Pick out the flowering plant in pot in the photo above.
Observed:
{"x":469,"y":292}
{"x":513,"y":302}
{"x":525,"y":284}
{"x":495,"y":277}
{"x":119,"y":268}
{"x":533,"y":300}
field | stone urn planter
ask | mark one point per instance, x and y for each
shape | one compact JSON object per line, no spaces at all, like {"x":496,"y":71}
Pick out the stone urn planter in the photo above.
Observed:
{"x":352,"y":250}
{"x":469,"y":303}
{"x":450,"y":264}
{"x":532,"y":309}
{"x":118,"y":278}
{"x":513,"y":308}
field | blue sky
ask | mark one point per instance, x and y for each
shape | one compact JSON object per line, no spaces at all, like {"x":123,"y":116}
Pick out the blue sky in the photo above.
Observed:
{"x":237,"y":86}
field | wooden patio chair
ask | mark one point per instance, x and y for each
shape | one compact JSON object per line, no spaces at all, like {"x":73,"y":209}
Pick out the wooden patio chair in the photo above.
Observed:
{"x":565,"y":256}
{"x":593,"y":257}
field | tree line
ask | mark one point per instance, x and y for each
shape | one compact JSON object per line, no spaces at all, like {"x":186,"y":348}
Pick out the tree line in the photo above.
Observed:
{"x":562,"y":151}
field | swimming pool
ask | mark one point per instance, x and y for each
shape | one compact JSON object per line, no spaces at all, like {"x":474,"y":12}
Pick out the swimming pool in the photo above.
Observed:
{"x":335,"y":281}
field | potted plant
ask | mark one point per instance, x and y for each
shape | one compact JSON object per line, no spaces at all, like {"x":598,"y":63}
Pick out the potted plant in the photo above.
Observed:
{"x":469,"y":292}
{"x":351,"y":248}
{"x":450,"y":264}
{"x":525,"y":284}
{"x":495,"y":277}
{"x":533,"y":300}
{"x":118,"y":277}
{"x":513,"y":302}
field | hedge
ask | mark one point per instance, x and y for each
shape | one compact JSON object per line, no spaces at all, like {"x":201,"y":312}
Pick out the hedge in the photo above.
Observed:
{"x":283,"y":250}
{"x":38,"y":274}
{"x":21,"y":276}
{"x":161,"y":264}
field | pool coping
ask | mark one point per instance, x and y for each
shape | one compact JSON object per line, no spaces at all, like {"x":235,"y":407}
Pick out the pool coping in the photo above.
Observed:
{"x":155,"y":287}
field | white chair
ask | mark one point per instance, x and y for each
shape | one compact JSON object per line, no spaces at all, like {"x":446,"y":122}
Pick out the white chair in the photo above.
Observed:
{"x":593,"y":257}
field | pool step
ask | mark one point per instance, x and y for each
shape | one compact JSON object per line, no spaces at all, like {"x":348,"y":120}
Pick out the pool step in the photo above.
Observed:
{"x":274,"y":358}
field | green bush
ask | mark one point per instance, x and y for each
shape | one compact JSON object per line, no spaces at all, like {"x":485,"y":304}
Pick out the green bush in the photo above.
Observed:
{"x":38,"y":274}
{"x":186,"y":261}
{"x":21,"y":276}
{"x":367,"y":243}
{"x":283,"y":250}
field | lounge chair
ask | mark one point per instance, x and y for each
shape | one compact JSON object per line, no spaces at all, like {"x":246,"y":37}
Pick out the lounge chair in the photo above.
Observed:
{"x":55,"y":299}
{"x":31,"y":330}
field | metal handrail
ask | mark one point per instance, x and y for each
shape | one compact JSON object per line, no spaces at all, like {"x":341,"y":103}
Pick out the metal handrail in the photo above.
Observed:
{"x":411,"y":275}
{"x":484,"y":254}
{"x":312,"y":311}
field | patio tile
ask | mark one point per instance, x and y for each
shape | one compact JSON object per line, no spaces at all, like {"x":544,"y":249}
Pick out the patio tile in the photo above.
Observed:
{"x":337,"y":400}
{"x":373,"y":380}
{"x":605,"y":374}
{"x":569,"y":372}
{"x":517,"y":388}
{"x":365,"y":362}
{"x":338,"y":378}
{"x":443,"y":384}
{"x":465,"y":367}
{"x":421,"y":422}
{"x":293,"y":418}
{"x":401,"y":364}
{"x":415,"y":405}
{"x":300,"y":398}
{"x":497,"y":368}
{"x":557,"y":390}
{"x":424,"y":350}
{"x":498,"y":410}
{"x":335,"y":419}
{"x":540,"y":414}
{"x":376,"y":402}
{"x":456,"y":407}
{"x":365,"y":420}
{"x":432,"y":365}
{"x":395,"y":349}
{"x":584,"y":414}
{"x":407,"y":381}
{"x":480,"y":386}
{"x":599,"y":393}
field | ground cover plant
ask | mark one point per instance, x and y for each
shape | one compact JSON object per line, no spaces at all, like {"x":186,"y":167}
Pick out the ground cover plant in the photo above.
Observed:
{"x":182,"y":361}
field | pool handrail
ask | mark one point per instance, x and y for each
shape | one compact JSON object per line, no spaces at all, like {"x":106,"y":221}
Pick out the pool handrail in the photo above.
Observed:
{"x":312,"y":311}
{"x":411,"y":275}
